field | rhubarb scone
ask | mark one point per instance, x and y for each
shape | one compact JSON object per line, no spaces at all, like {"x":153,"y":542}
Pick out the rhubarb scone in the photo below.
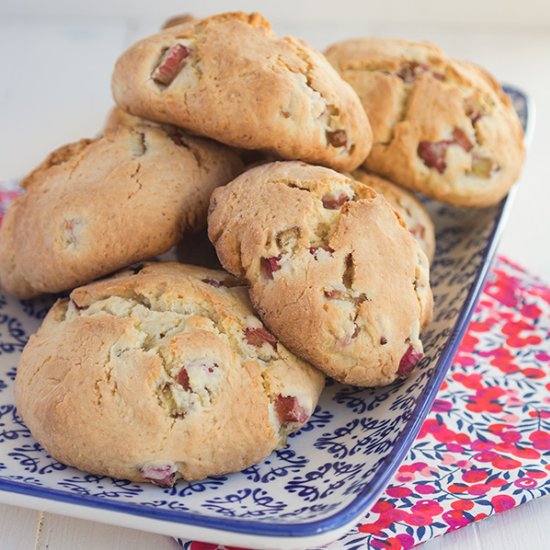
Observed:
{"x":332,"y":269}
{"x":411,"y":209}
{"x":230,"y":78}
{"x":441,"y":126}
{"x":177,"y":20}
{"x":118,"y":117}
{"x":96,"y":206}
{"x":161,"y":373}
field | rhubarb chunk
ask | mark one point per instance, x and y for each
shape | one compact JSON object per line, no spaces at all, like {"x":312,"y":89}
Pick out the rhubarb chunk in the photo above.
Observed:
{"x":259,"y":336}
{"x":289,"y":409}
{"x":331,"y":202}
{"x":163,"y":475}
{"x":433,"y":154}
{"x":337,"y":138}
{"x":269,"y":265}
{"x":408,"y":362}
{"x":171,"y":63}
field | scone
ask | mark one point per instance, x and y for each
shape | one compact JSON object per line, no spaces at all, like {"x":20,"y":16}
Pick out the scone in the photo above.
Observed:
{"x":411,"y":209}
{"x":96,"y":206}
{"x":442,"y":127}
{"x":161,"y":373}
{"x":118,"y":117}
{"x":230,"y":78}
{"x":179,"y":20}
{"x":332,"y":269}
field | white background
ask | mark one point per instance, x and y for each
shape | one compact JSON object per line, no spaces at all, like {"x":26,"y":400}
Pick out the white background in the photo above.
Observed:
{"x":56,"y":58}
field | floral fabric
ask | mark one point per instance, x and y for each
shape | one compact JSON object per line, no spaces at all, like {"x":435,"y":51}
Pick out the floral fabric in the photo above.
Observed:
{"x":485,"y":446}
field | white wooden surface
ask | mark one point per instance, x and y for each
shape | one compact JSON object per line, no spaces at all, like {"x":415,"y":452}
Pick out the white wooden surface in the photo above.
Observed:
{"x":55,"y":89}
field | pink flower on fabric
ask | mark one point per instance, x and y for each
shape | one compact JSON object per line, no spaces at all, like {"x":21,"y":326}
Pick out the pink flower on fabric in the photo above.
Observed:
{"x":474,"y":476}
{"x":540,"y":440}
{"x":382,"y":506}
{"x":525,"y":483}
{"x":455,"y":519}
{"x":502,"y":502}
{"x":398,"y":492}
{"x":455,"y":448}
{"x":441,"y":405}
{"x":427,"y":507}
{"x":417,"y":519}
{"x":406,"y":541}
{"x":403,"y":477}
{"x":424,"y":489}
{"x":511,"y":418}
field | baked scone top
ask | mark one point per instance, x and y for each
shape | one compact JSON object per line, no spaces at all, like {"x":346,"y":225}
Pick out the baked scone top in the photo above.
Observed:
{"x":441,"y":126}
{"x":96,"y":206}
{"x":230,"y":78}
{"x":161,"y":373}
{"x":411,"y":209}
{"x":332,"y":269}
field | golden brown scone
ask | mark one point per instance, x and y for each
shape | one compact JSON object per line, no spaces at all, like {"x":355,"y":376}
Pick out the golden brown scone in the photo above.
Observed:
{"x":179,"y":20}
{"x":230,"y":78}
{"x":161,"y":374}
{"x":333,"y":271}
{"x":99,"y":205}
{"x":411,"y":209}
{"x":442,"y":127}
{"x":117,"y":117}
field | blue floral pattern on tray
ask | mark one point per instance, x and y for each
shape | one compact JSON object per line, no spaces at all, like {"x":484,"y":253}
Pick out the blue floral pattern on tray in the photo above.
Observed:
{"x":332,"y":469}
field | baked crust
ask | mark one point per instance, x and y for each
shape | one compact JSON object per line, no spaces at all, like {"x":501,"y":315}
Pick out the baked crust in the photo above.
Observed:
{"x":156,"y":372}
{"x":411,"y":209}
{"x":442,"y":127}
{"x":333,"y":271}
{"x":99,"y":205}
{"x":230,"y":78}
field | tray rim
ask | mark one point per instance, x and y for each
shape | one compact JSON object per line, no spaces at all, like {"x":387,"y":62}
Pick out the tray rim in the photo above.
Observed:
{"x":317,"y":530}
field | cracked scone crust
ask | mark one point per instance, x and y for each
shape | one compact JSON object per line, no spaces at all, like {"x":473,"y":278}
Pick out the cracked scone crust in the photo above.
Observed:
{"x":332,"y":269}
{"x":99,"y":205}
{"x":161,"y":374}
{"x":411,"y":209}
{"x":230,"y":78}
{"x":441,"y":126}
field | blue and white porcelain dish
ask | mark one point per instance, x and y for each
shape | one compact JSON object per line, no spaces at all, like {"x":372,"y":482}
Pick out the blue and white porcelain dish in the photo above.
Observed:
{"x":312,"y":491}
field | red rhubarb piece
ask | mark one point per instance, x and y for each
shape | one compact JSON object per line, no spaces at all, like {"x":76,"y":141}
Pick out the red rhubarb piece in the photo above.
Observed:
{"x":269,"y":265}
{"x":289,"y":409}
{"x":462,"y":139}
{"x":171,"y":63}
{"x":183,"y":379}
{"x":161,"y":475}
{"x":408,"y":362}
{"x":259,"y":336}
{"x":314,"y":249}
{"x":433,"y":154}
{"x":337,"y":138}
{"x":331,"y":202}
